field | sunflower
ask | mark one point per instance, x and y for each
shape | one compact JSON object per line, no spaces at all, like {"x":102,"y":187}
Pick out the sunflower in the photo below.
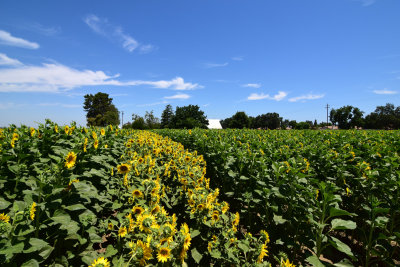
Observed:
{"x":66,"y":129}
{"x":56,"y":128}
{"x":122,"y":231}
{"x":140,"y":160}
{"x":33,"y":131}
{"x":143,"y":252}
{"x":287,"y":263}
{"x":265,"y":236}
{"x":155,"y":210}
{"x":145,"y":222}
{"x":96,"y":143}
{"x":225,"y":207}
{"x":137,"y":210}
{"x":4,"y":217}
{"x":85,"y":145}
{"x":164,"y":254}
{"x":102,"y":131}
{"x":100,"y":262}
{"x":137,"y":193}
{"x":263,"y":253}
{"x":94,"y":135}
{"x":186,"y":242}
{"x":123,"y":168}
{"x":215,"y":216}
{"x":32,"y":211}
{"x":70,"y":160}
{"x":235,"y":222}
{"x":110,"y":226}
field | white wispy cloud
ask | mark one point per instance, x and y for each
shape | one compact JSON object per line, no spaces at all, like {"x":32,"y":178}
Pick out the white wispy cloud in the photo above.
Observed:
{"x":55,"y":77}
{"x":254,"y":85}
{"x":39,"y":28}
{"x":178,"y":96}
{"x":305,"y":97}
{"x":102,"y":27}
{"x":6,"y":61}
{"x":385,"y":92}
{"x":239,"y":58}
{"x":278,"y":97}
{"x":153,"y":104}
{"x":10,"y":105}
{"x":367,"y":2}
{"x":215,"y":65}
{"x":7,"y":39}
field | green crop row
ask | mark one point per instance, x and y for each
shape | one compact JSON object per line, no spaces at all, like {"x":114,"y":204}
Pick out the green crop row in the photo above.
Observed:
{"x":326,"y":197}
{"x":74,"y":196}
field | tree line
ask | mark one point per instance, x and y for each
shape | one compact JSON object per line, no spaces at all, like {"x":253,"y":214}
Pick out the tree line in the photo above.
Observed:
{"x":100,"y":111}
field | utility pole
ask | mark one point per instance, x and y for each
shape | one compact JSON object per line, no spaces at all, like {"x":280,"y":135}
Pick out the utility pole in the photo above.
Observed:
{"x":327,"y":109}
{"x":122,"y":113}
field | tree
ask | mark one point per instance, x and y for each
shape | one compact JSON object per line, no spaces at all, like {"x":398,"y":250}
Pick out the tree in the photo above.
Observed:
{"x":189,"y":117}
{"x":99,"y":110}
{"x":384,"y":117}
{"x":239,"y":120}
{"x":303,"y":125}
{"x":138,"y":122}
{"x":167,"y":117}
{"x":152,"y":122}
{"x":347,"y":117}
{"x":267,"y":121}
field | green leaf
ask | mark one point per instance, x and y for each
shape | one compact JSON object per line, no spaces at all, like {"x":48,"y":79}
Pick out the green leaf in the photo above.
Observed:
{"x":344,"y":263}
{"x":333,"y":212}
{"x":75,"y":207}
{"x":215,"y":254}
{"x":194,"y":233}
{"x":314,"y":261}
{"x":339,"y":245}
{"x":243,"y":247}
{"x":196,"y":255}
{"x":61,"y":217}
{"x":4,"y":203}
{"x":278,"y":219}
{"x":339,"y":224}
{"x":30,"y":263}
{"x":111,"y":251}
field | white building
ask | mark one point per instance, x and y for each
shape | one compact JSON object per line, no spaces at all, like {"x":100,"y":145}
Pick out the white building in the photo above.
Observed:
{"x":214,"y":124}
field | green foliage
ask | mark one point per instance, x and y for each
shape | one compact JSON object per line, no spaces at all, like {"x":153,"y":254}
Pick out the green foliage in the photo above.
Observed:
{"x":336,"y":193}
{"x":189,"y":117}
{"x":384,"y":117}
{"x":347,"y":117}
{"x":100,"y":110}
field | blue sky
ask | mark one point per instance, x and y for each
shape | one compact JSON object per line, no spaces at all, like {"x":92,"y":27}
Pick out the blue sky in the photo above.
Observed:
{"x":286,"y":56}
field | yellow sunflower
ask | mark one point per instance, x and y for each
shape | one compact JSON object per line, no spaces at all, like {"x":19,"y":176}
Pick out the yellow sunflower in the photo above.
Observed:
{"x":110,"y":226}
{"x":96,"y":143}
{"x":164,"y":254}
{"x":145,"y":222}
{"x":102,"y":132}
{"x":186,"y":242}
{"x":137,"y":210}
{"x":137,"y":193}
{"x":4,"y":217}
{"x":263,"y":253}
{"x":122,"y":231}
{"x":143,"y":252}
{"x":32,"y":211}
{"x":123,"y":168}
{"x":100,"y":262}
{"x":287,"y":263}
{"x":70,"y":160}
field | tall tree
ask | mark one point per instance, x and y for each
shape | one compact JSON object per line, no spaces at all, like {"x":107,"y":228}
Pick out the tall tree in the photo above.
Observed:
{"x":99,"y":110}
{"x":347,"y":117}
{"x":167,"y":117}
{"x":189,"y":117}
{"x":384,"y":117}
{"x":152,"y":122}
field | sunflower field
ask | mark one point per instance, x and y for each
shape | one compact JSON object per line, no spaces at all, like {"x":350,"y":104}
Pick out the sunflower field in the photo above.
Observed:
{"x":327,"y":198}
{"x":75,"y":196}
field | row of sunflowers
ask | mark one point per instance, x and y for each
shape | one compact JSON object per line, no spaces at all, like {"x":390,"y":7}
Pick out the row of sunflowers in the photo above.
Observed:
{"x":75,"y":196}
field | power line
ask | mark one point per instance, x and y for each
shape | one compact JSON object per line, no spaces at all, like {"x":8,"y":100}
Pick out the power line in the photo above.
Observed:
{"x":327,"y":116}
